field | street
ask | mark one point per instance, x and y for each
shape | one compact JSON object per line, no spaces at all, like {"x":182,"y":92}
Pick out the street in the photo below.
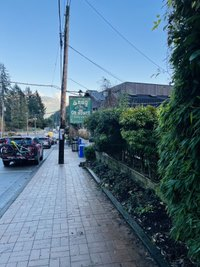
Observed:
{"x":14,"y":178}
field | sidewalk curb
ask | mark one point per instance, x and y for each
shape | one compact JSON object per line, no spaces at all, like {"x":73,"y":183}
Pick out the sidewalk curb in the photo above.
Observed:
{"x":19,"y":191}
{"x":153,"y":250}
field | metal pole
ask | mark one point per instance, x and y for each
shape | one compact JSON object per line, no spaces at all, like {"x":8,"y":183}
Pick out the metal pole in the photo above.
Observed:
{"x":35,"y":124}
{"x":63,"y":90}
{"x":27,"y":123}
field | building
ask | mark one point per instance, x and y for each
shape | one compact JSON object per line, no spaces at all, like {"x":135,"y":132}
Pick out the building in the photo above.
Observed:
{"x":97,"y":98}
{"x":135,"y":94}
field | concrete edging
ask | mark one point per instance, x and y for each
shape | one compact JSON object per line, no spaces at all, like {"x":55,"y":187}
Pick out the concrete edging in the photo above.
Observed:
{"x":116,"y":165}
{"x":153,"y":250}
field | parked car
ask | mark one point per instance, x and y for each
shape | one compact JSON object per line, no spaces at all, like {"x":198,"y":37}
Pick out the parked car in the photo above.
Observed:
{"x":45,"y":141}
{"x":53,"y":140}
{"x":3,"y":140}
{"x":21,"y":148}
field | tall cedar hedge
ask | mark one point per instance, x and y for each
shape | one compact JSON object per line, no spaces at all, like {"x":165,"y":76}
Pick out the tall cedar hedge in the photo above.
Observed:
{"x":179,"y":126}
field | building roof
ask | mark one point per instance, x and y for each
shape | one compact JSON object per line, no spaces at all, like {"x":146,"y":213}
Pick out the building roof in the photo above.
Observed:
{"x":98,"y":96}
{"x":135,"y":88}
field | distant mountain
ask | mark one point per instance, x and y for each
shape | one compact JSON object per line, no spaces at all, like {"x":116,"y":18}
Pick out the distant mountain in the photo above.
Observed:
{"x":52,"y":104}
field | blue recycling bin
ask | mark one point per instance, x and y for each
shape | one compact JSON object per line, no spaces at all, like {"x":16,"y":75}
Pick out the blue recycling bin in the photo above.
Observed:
{"x":79,"y":141}
{"x":81,"y":151}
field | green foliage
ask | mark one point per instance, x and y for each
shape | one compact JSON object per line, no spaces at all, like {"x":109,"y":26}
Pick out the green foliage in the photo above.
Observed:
{"x":104,"y":127}
{"x":134,"y":198}
{"x":138,"y":130}
{"x":4,"y":89}
{"x":124,"y":101}
{"x":20,"y":105}
{"x":121,"y":130}
{"x":17,"y":111}
{"x":36,"y":108}
{"x":156,"y":23}
{"x":179,"y":126}
{"x":4,"y":79}
{"x":89,"y":153}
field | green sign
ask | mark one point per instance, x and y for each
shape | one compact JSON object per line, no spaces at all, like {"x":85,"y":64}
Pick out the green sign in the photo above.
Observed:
{"x":79,"y":108}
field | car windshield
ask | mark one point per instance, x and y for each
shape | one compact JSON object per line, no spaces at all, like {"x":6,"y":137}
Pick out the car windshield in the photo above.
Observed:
{"x":43,"y":138}
{"x":21,"y":141}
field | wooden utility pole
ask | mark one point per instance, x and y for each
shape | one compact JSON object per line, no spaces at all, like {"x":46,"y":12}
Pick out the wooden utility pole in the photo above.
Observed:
{"x":63,"y":90}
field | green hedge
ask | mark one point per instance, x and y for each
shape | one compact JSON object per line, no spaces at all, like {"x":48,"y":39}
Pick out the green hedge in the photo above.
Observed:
{"x":179,"y":126}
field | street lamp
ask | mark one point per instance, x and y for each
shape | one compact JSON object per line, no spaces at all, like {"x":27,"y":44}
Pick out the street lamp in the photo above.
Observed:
{"x":35,"y":119}
{"x":2,"y":119}
{"x":2,"y":110}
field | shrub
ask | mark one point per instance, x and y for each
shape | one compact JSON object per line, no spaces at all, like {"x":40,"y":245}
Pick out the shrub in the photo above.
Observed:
{"x":83,"y":133}
{"x":138,"y":130}
{"x":89,"y":153}
{"x":104,"y":127}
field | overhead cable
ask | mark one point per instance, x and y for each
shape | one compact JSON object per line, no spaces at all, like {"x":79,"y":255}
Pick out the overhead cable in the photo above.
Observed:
{"x":49,"y":85}
{"x":78,"y":83}
{"x":55,"y":66}
{"x":36,"y":84}
{"x":124,"y":38}
{"x":61,"y":39}
{"x":97,"y":65}
{"x":60,"y":24}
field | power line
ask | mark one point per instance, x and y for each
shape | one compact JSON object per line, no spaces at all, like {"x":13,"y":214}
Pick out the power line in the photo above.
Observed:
{"x":55,"y":65}
{"x":49,"y":85}
{"x":78,"y":83}
{"x":60,"y":24}
{"x":97,"y":65}
{"x":60,"y":36}
{"x":123,"y":37}
{"x":36,"y":84}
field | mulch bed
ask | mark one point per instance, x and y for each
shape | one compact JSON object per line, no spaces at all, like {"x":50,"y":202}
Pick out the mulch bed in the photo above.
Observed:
{"x":147,"y":210}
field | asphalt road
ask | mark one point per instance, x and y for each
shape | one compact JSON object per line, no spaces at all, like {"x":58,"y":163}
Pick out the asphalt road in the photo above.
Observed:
{"x":13,"y":179}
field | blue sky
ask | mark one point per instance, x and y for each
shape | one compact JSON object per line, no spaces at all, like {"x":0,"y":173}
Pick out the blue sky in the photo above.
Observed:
{"x":29,"y":42}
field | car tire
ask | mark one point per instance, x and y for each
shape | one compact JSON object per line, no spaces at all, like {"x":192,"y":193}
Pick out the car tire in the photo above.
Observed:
{"x":42,"y":156}
{"x":37,"y":161}
{"x":6,"y":163}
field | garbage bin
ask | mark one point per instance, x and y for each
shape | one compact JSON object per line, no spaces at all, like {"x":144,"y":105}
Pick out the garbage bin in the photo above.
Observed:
{"x":81,"y":150}
{"x":74,"y":146}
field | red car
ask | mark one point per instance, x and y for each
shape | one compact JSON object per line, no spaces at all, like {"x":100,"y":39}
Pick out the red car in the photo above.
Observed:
{"x":20,"y":148}
{"x":3,"y":140}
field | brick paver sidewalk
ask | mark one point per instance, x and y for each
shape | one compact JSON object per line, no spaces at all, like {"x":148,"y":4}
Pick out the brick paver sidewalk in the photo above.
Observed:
{"x":62,"y":219}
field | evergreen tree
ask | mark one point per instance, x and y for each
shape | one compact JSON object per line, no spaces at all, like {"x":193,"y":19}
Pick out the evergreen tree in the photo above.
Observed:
{"x":18,"y":109}
{"x":41,"y":110}
{"x":36,"y":108}
{"x":4,"y":89}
